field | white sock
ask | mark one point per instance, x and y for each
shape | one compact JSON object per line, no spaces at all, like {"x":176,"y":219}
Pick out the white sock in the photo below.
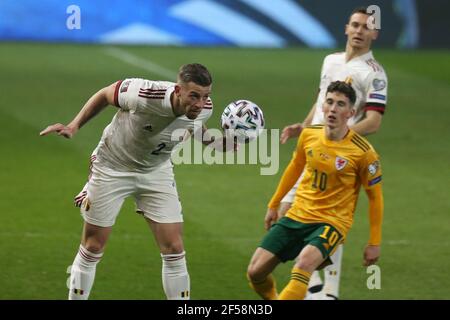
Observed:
{"x":315,"y":280}
{"x":314,"y":285}
{"x":333,"y":273}
{"x":175,"y":277}
{"x":82,"y":274}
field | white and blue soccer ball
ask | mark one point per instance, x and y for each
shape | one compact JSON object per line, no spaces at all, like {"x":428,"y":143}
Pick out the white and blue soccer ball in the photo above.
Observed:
{"x":242,"y":119}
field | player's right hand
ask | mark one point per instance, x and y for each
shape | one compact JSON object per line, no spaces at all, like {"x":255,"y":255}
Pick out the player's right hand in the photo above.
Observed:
{"x":271,"y":218}
{"x":371,"y":255}
{"x":60,"y":129}
{"x":291,"y":131}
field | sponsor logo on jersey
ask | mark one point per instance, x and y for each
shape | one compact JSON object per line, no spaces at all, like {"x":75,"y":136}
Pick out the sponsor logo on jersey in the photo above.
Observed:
{"x":377,"y":96}
{"x":373,"y":167}
{"x":340,"y":163}
{"x":324,"y":156}
{"x":378,"y":84}
{"x":374,"y":181}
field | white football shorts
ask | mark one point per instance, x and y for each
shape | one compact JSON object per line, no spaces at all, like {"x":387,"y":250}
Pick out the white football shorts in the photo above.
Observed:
{"x":289,"y":197}
{"x":155,"y":195}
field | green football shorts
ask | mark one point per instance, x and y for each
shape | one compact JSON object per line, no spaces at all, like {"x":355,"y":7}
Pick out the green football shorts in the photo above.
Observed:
{"x":288,"y":237}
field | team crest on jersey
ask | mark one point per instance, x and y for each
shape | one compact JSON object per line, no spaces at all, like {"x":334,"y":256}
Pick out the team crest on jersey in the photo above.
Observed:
{"x":378,"y":84}
{"x":125,"y":86}
{"x":148,"y":127}
{"x":373,"y":167}
{"x":340,"y":163}
{"x":310,"y":153}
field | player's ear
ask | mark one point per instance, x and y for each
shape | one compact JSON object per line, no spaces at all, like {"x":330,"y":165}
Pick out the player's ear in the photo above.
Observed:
{"x":346,"y":29}
{"x":352,"y":112}
{"x":177,"y":89}
{"x":374,"y":34}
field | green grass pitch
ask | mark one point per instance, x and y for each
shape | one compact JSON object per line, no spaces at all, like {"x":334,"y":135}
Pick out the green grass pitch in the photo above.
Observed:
{"x":224,"y":205}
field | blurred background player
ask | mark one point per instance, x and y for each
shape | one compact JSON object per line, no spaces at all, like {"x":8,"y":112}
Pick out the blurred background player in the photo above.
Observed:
{"x":133,"y":159}
{"x":335,"y":161}
{"x":357,"y":66}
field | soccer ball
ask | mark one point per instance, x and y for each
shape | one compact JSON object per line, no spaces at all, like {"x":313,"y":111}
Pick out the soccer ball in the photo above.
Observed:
{"x":243,"y":120}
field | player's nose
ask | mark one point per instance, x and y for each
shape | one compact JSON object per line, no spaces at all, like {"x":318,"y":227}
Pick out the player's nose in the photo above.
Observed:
{"x":200,"y":104}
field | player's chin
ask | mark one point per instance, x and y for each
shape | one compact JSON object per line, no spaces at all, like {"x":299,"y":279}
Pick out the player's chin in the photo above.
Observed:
{"x":192,"y":115}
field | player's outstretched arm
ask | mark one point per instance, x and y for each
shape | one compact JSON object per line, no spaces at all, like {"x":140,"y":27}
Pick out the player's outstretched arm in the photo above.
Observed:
{"x":290,"y":131}
{"x":376,"y":208}
{"x":93,"y":106}
{"x":370,"y":124}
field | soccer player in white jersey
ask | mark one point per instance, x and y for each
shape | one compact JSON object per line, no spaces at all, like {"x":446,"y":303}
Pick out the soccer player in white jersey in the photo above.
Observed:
{"x":133,"y":159}
{"x":357,"y":66}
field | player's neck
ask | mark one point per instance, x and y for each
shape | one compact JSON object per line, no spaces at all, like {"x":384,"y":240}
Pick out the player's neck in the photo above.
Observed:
{"x":352,"y":52}
{"x":176,"y":105}
{"x":336,"y":133}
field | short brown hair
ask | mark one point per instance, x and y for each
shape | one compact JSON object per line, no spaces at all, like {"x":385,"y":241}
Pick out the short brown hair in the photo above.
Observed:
{"x":195,"y":72}
{"x":344,"y":88}
{"x":361,"y":9}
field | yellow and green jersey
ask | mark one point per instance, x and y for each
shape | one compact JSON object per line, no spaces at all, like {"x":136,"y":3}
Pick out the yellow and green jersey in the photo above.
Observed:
{"x":333,"y":172}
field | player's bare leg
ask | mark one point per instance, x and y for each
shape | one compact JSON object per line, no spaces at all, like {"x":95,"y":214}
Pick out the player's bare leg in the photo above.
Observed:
{"x":175,"y":277}
{"x":259,"y":273}
{"x":315,"y":282}
{"x":82,"y":274}
{"x":307,"y":261}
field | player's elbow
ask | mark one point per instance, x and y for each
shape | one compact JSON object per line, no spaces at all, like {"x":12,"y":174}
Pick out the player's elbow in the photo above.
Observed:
{"x":108,"y":94}
{"x":375,"y":126}
{"x":373,"y":123}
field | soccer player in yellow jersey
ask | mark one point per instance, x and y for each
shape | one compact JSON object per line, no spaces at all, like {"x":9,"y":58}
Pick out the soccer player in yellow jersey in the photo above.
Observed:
{"x":335,"y":162}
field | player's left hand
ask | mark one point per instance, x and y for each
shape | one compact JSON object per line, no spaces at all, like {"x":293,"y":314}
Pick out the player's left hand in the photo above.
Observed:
{"x":271,"y":218}
{"x":60,"y":129}
{"x":291,"y":131}
{"x":371,"y":255}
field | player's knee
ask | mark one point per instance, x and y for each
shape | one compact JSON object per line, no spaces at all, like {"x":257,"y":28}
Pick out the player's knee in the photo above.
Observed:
{"x":254,"y":274}
{"x":307,"y":264}
{"x":175,"y":247}
{"x":94,"y":246}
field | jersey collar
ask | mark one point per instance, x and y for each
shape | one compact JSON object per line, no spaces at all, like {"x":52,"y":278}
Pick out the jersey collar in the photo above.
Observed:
{"x":166,"y":102}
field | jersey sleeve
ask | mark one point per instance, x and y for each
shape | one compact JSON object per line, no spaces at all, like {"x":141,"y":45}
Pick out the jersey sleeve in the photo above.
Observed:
{"x":376,"y":98}
{"x":143,"y":95}
{"x":370,"y":171}
{"x":323,"y":80}
{"x":371,"y":179}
